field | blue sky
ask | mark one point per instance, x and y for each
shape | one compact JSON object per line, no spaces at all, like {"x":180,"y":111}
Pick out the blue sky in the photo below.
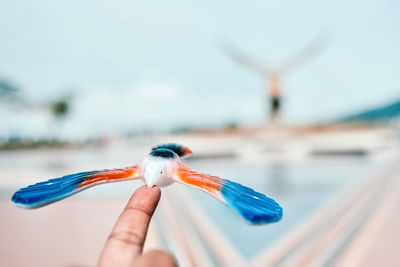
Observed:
{"x":146,"y":64}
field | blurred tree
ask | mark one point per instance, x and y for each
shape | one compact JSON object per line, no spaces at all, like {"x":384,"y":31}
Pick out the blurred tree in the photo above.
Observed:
{"x":61,"y":108}
{"x":7,"y":89}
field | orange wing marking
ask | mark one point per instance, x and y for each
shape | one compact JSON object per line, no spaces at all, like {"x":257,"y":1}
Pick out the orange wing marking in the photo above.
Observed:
{"x":207,"y":182}
{"x":110,"y":175}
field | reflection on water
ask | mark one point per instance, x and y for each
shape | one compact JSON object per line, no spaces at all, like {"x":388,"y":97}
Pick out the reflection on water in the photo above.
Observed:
{"x":277,"y":173}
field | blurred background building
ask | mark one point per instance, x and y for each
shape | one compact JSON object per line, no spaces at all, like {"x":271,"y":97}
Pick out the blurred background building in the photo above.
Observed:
{"x":93,"y":85}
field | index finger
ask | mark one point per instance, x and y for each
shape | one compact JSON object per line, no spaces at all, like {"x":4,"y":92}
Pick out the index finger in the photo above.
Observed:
{"x":126,"y":240}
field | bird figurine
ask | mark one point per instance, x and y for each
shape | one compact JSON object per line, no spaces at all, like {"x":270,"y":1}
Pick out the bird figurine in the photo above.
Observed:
{"x":161,"y":167}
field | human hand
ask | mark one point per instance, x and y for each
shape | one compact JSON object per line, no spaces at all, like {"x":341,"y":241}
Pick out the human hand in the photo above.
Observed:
{"x":124,"y":246}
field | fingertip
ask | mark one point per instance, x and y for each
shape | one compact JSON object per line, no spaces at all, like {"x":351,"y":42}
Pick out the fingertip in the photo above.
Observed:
{"x":148,"y":191}
{"x":155,"y":189}
{"x":145,"y":198}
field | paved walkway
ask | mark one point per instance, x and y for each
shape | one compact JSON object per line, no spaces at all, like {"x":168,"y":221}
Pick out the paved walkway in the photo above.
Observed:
{"x":378,"y":243}
{"x":361,"y":227}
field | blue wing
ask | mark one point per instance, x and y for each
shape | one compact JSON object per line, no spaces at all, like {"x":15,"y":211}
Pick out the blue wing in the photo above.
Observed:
{"x":252,"y":206}
{"x":44,"y":193}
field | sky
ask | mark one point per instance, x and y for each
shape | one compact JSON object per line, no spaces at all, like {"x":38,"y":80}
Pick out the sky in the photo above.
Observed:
{"x":159,"y":65}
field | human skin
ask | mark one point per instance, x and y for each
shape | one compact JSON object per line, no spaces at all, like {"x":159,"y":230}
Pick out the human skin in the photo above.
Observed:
{"x":124,"y":246}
